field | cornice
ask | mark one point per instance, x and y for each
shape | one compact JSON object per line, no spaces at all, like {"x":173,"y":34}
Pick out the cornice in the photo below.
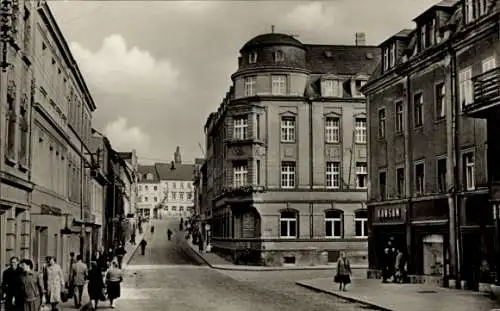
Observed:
{"x":268,"y":69}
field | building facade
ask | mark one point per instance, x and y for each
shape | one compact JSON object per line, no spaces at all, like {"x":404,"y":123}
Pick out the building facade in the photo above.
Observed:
{"x":166,"y":189}
{"x":428,"y":173}
{"x":286,"y":153}
{"x":16,"y":96}
{"x":61,"y":160}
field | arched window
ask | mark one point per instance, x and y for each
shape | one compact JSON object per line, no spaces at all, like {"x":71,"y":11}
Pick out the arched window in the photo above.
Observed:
{"x":361,"y":223}
{"x":288,"y":224}
{"x":333,"y":224}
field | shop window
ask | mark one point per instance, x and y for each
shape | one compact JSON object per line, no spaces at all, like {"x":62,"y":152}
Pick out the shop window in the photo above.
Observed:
{"x":333,"y":224}
{"x":288,"y":222}
{"x":433,"y":255}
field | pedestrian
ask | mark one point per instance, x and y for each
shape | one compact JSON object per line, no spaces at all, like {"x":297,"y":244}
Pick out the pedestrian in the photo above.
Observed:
{"x":343,"y":274}
{"x":10,"y":282}
{"x":79,"y":275}
{"x":53,"y":279}
{"x":152,"y":229}
{"x":120,"y":253}
{"x":200,"y":242}
{"x":114,"y":277}
{"x":169,"y":234}
{"x":132,"y":238}
{"x":143,"y":246}
{"x":31,"y":290}
{"x":95,"y":287}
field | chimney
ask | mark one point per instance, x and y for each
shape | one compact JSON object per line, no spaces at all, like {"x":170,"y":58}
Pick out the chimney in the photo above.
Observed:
{"x":360,"y":38}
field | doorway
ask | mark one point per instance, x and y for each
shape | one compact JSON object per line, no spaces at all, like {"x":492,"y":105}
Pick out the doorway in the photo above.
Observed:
{"x":471,"y":259}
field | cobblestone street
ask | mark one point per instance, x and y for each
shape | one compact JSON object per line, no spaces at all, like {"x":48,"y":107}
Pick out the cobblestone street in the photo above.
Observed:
{"x":168,"y":279}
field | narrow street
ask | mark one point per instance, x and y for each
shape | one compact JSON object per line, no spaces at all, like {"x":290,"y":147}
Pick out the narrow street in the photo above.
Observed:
{"x":168,"y":279}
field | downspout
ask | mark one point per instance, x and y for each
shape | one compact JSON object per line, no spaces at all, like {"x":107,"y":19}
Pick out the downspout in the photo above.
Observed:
{"x":311,"y":167}
{"x":456,"y":158}
{"x":408,"y":174}
{"x":82,"y":182}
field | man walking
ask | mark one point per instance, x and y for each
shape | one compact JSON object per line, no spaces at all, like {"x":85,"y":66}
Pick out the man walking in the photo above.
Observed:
{"x":10,"y":284}
{"x":79,"y":275}
{"x":143,"y":247}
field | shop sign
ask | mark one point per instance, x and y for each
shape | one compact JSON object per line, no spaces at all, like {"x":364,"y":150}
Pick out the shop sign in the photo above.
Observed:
{"x":390,"y":213}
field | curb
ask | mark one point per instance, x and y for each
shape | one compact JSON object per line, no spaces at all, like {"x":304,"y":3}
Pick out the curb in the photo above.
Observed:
{"x":134,"y":248}
{"x":256,"y":269}
{"x":350,"y":299}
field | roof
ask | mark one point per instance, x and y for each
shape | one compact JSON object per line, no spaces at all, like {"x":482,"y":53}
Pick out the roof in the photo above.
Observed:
{"x":342,"y":59}
{"x":167,"y":171}
{"x":143,"y":170}
{"x":271,"y":39}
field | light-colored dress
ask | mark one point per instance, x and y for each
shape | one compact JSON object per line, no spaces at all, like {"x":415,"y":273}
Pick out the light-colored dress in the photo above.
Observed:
{"x":54,"y":283}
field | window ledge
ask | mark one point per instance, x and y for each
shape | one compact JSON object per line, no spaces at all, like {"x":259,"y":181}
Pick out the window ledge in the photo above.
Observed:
{"x":23,"y":168}
{"x":10,"y":161}
{"x":332,"y":142}
{"x":288,"y":142}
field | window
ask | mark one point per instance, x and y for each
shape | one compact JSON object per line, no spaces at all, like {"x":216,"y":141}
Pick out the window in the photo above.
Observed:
{"x":181,"y":208}
{"x":189,"y":185}
{"x":360,"y":131}
{"x":399,"y":117}
{"x":258,"y":125}
{"x":174,"y":208}
{"x":331,"y":88}
{"x":333,"y":175}
{"x":140,"y":188}
{"x":258,"y":172}
{"x":423,"y":35}
{"x":465,"y":85}
{"x":418,"y":105}
{"x":174,"y":185}
{"x":252,"y":58}
{"x":441,"y":168}
{"x":240,"y":174}
{"x":155,"y":188}
{"x":361,"y":224}
{"x":250,"y":86}
{"x":468,"y":162}
{"x":431,"y":33}
{"x":474,"y":9}
{"x":145,"y":199}
{"x":420,"y":178}
{"x":361,"y":175}
{"x":333,"y":224}
{"x":400,"y":179}
{"x":358,"y":84}
{"x":174,"y":196}
{"x":240,"y":127}
{"x":489,"y":64}
{"x":189,"y":196}
{"x":332,"y":130}
{"x":24,"y":131}
{"x":278,"y":85}
{"x":155,"y":199}
{"x":288,"y":129}
{"x":288,"y":224}
{"x":440,"y":96}
{"x":382,"y":183}
{"x":386,"y":59}
{"x":392,"y":56}
{"x":146,"y":188}
{"x":288,"y":175}
{"x":279,"y":56}
{"x":11,"y":124}
{"x":381,"y":123}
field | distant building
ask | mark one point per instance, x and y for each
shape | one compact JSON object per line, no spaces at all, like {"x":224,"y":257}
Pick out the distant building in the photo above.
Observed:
{"x":166,"y":189}
{"x":286,"y":160}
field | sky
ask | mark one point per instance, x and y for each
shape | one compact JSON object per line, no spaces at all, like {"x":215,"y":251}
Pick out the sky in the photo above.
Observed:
{"x":156,"y":69}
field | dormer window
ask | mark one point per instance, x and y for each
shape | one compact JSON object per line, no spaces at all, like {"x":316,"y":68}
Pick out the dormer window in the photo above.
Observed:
{"x":423,"y":35}
{"x":432,"y":32}
{"x":279,"y":56}
{"x":386,"y":59}
{"x":358,"y":84}
{"x":474,"y":9}
{"x":331,"y":88}
{"x":392,"y":55}
{"x":252,"y":58}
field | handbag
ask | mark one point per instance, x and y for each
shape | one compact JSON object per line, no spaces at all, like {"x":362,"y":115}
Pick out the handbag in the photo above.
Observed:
{"x":64,"y":295}
{"x":336,"y":278}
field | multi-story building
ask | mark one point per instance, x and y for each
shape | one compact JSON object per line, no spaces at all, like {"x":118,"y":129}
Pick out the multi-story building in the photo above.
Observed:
{"x":16,"y":96}
{"x":166,"y":189}
{"x":286,"y":153}
{"x":428,"y":172}
{"x":61,"y":160}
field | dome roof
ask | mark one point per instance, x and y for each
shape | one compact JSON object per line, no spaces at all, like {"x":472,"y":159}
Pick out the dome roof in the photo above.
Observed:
{"x":271,"y":39}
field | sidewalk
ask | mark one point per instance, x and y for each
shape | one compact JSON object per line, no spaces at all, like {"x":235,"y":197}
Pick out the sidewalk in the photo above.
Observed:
{"x":216,"y":262}
{"x":404,"y":297}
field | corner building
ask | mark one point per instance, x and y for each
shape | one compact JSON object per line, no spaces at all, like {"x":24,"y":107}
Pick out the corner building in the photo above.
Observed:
{"x":286,"y":153}
{"x":428,"y":158}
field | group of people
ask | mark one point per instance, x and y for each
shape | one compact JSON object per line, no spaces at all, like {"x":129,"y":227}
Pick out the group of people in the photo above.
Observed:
{"x":394,"y":265}
{"x":24,"y":289}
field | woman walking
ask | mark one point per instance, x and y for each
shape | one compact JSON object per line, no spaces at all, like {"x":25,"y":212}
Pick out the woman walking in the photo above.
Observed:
{"x":32,"y":290}
{"x":343,"y":275}
{"x":114,"y":277}
{"x":95,"y":285}
{"x":53,"y":280}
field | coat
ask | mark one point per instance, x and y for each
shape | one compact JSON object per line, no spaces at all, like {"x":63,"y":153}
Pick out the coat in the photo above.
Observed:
{"x":54,"y":283}
{"x":343,"y":267}
{"x":31,"y":291}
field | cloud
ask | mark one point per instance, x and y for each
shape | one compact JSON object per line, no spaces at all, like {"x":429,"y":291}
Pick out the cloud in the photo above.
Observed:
{"x":116,"y":68}
{"x":126,"y":138}
{"x":310,"y":16}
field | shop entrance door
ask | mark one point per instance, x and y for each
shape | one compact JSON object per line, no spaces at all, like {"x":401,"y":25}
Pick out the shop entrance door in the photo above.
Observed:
{"x":471,"y":252}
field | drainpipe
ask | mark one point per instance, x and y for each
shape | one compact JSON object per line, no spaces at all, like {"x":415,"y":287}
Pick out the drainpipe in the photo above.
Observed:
{"x":311,"y":167}
{"x":408,"y":173}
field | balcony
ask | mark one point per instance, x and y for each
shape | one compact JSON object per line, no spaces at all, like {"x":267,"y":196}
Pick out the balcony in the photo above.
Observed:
{"x":486,"y":95}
